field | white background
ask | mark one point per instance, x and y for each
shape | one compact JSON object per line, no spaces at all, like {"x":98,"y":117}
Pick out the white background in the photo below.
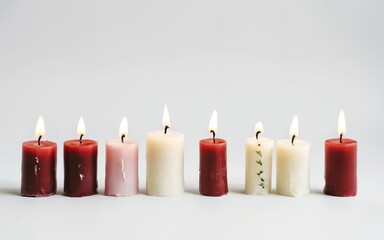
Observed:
{"x":250,"y":60}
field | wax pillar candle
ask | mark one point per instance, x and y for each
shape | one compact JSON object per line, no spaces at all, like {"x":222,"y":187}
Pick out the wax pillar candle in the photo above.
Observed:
{"x":213,"y":163}
{"x":258,"y":163}
{"x":165,"y":161}
{"x":121,"y":165}
{"x":341,"y":164}
{"x":292,"y":164}
{"x":80,"y":165}
{"x":38,"y":170}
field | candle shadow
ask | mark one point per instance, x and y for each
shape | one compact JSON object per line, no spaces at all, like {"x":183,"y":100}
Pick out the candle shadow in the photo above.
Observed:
{"x":236,"y":189}
{"x":317,"y":191}
{"x":10,"y":191}
{"x":142,"y":190}
{"x":192,"y":190}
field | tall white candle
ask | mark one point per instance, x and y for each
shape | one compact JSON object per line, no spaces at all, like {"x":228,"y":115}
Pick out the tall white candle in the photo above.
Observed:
{"x":165,"y":161}
{"x":292,"y":164}
{"x":258,"y":165}
{"x":121,"y":165}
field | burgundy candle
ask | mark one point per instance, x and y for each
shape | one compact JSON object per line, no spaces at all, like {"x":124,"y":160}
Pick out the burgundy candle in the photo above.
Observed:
{"x":213,"y":163}
{"x":341,"y":164}
{"x":80,"y":165}
{"x":38,"y":170}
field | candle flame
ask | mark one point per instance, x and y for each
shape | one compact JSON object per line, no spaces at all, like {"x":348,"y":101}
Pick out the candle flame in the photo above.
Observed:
{"x":342,"y":128}
{"x":123,"y":130}
{"x":166,"y":121}
{"x":213,"y":122}
{"x":294,"y":130}
{"x":40,"y":129}
{"x":81,"y":127}
{"x":259,"y":127}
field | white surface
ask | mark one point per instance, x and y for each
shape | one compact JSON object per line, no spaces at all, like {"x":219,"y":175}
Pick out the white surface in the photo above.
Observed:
{"x":250,"y":60}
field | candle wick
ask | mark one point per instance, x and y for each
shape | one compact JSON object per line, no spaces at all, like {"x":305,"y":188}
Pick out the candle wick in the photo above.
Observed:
{"x":122,"y":138}
{"x":293,"y":138}
{"x":214,"y":136}
{"x":257,"y":135}
{"x":165,"y":129}
{"x":341,"y":137}
{"x":39,"y":139}
{"x":81,"y":138}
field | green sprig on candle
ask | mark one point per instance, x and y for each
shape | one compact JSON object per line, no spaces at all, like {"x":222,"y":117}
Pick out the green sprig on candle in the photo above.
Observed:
{"x":260,"y":173}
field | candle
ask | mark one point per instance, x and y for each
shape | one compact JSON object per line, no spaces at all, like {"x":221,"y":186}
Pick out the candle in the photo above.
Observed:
{"x":213,"y":163}
{"x":292,"y":164}
{"x":121,"y":166}
{"x":340,"y":163}
{"x":38,"y":170}
{"x":80,"y":165}
{"x":165,"y":161}
{"x":258,"y":164}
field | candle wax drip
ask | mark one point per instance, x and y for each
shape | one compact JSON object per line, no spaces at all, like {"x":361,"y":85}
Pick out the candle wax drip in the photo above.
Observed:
{"x":122,"y":169}
{"x":80,"y":174}
{"x":36,"y":166}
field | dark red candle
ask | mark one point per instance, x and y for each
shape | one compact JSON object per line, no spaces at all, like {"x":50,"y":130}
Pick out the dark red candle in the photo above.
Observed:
{"x":340,"y":167}
{"x":80,"y":168}
{"x":213,"y":163}
{"x":38,"y":177}
{"x":80,"y":165}
{"x":213,"y":167}
{"x":38,"y":167}
{"x":341,"y":164}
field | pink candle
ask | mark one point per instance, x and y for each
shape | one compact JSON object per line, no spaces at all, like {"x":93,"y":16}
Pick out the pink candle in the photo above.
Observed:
{"x":121,"y":166}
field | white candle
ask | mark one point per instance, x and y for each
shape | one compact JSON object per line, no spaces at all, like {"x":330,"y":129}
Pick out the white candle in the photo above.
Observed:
{"x":165,"y":161}
{"x":121,"y":165}
{"x":292,"y":164}
{"x":258,"y":165}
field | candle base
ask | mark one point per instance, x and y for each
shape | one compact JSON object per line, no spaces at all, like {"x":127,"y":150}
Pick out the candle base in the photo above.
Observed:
{"x":80,"y":195}
{"x":330,"y":192}
{"x":37,"y":195}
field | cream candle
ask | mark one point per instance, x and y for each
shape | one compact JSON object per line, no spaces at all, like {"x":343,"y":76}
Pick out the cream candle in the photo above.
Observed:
{"x":165,"y":161}
{"x":258,"y":163}
{"x":121,"y":165}
{"x":292,"y":164}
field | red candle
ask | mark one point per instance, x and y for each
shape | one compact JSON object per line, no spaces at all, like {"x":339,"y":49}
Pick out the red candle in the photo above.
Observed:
{"x":213,"y":163}
{"x":80,"y":165}
{"x":341,"y":164}
{"x":38,"y":170}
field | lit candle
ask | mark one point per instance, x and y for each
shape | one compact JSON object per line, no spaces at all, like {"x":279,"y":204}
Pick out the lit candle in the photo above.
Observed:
{"x":292,"y":164}
{"x":121,"y":166}
{"x":80,"y":165}
{"x":165,"y":160}
{"x":258,"y":165}
{"x":38,"y":170}
{"x":341,"y":163}
{"x":213,"y":163}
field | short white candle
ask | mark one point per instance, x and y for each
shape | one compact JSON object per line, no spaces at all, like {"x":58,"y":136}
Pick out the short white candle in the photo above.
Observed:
{"x":292,"y":164}
{"x":258,"y":165}
{"x":165,"y":161}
